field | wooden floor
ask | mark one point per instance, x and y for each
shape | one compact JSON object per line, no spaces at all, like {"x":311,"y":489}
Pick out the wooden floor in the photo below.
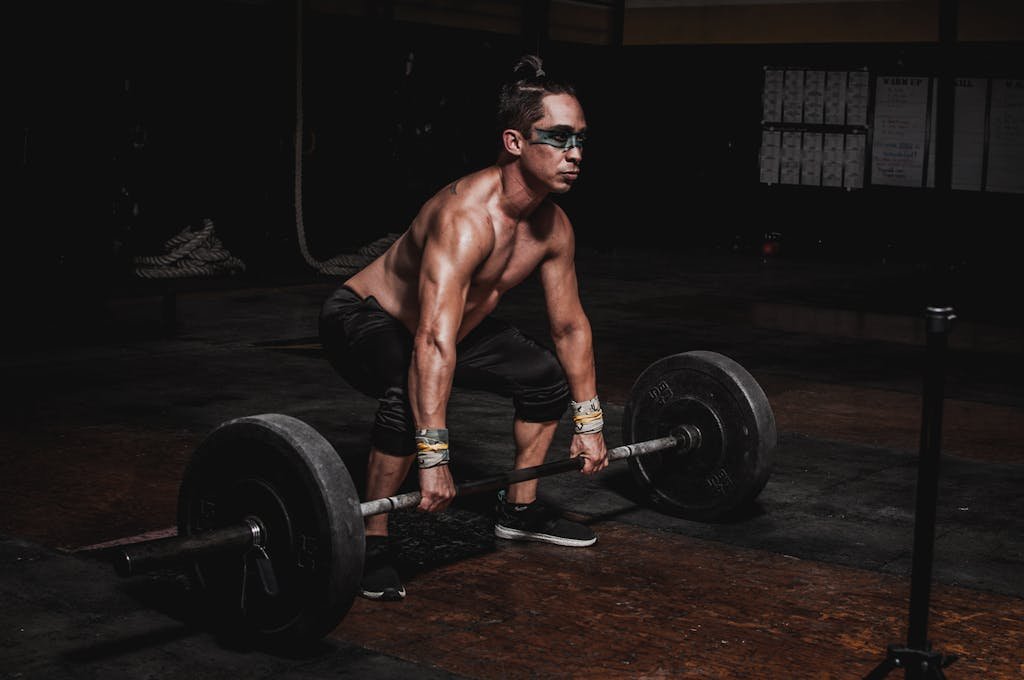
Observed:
{"x":647,"y":604}
{"x":891,"y":419}
{"x":98,"y":508}
{"x":642,"y":603}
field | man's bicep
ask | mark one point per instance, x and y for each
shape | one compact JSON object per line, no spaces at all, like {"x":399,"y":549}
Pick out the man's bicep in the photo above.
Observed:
{"x":561,"y":291}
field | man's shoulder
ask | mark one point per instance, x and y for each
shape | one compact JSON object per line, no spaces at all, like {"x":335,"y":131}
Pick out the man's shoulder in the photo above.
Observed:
{"x":466,"y":191}
{"x":473,"y":185}
{"x":462,"y":214}
{"x":465,"y":200}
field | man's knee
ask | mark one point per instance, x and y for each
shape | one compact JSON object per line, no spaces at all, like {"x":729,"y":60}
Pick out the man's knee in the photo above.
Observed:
{"x":392,"y":427}
{"x":543,"y":393}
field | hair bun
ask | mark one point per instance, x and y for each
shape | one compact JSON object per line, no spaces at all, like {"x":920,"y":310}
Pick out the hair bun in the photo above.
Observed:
{"x":529,"y":66}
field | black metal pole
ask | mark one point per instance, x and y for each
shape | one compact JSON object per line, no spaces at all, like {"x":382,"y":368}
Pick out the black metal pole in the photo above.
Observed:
{"x":941,"y":249}
{"x":945,"y":97}
{"x":917,"y":658}
{"x":939,"y":321}
{"x":618,"y":37}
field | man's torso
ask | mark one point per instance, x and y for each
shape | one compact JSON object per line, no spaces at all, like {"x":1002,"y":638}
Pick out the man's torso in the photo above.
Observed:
{"x":518,"y":249}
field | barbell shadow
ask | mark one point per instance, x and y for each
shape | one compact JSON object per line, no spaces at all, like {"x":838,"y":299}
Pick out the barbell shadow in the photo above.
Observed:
{"x":615,"y":480}
{"x":622,"y":483}
{"x":426,"y":542}
{"x":129,"y":644}
{"x":167,"y":591}
{"x":172,"y":593}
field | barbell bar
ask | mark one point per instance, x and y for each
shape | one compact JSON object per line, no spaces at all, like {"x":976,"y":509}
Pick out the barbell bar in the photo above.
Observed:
{"x":250,"y":533}
{"x":687,"y":438}
{"x":271,"y":527}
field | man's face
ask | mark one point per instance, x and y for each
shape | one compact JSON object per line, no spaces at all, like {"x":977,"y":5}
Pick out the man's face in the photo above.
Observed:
{"x":553,"y":152}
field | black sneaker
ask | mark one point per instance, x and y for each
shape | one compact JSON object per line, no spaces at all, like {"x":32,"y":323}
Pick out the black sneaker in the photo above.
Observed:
{"x":538,"y":522}
{"x":380,"y":579}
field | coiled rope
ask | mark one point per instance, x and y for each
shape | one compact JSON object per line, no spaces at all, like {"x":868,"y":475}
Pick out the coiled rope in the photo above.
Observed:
{"x":200,"y":253}
{"x":189,"y":253}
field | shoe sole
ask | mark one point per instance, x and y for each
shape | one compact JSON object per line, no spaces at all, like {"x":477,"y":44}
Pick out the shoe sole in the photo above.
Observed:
{"x":519,"y":535}
{"x":390,"y":595}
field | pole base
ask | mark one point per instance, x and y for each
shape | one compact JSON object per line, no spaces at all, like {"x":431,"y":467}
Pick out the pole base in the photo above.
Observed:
{"x":926,"y":663}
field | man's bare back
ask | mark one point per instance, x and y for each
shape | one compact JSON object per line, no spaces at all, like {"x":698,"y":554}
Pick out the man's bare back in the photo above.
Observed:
{"x":508,"y":249}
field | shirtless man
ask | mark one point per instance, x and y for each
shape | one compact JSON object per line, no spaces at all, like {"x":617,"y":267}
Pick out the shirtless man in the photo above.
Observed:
{"x":417,"y":320}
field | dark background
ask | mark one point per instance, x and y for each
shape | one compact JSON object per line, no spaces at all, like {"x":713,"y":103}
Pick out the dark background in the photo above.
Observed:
{"x":133,"y":120}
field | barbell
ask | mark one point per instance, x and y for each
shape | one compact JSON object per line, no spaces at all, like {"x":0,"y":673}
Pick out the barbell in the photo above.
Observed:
{"x":271,"y":527}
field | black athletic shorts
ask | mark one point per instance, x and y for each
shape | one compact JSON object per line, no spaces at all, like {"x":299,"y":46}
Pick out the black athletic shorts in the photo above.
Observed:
{"x":371,"y":350}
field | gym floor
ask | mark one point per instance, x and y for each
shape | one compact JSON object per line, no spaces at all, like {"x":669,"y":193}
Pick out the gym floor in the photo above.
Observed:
{"x":812,"y":582}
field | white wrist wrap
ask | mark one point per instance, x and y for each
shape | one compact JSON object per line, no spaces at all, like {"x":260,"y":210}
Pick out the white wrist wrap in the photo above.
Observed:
{"x":431,"y":447}
{"x":587,"y":416}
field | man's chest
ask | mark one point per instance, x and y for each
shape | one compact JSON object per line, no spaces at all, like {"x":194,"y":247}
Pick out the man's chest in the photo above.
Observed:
{"x":508,"y":264}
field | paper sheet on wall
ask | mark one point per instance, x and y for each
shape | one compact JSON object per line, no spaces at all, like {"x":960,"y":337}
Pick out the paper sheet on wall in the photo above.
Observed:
{"x":857,"y":86}
{"x":853,"y":161}
{"x":772,"y":101}
{"x":814,"y":97}
{"x":969,"y":133}
{"x":835,"y":98}
{"x":930,"y":137}
{"x":810,"y":159}
{"x":789,"y":171}
{"x":1006,"y":137}
{"x":793,"y":99}
{"x":899,"y":144}
{"x":771,"y":154}
{"x":832,"y":160}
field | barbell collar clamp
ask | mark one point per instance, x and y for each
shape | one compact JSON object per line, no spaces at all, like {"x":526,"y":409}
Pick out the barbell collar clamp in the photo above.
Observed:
{"x":688,"y":436}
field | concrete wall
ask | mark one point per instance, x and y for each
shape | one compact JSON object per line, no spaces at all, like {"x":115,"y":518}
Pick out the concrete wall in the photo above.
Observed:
{"x":192,"y":106}
{"x":707,"y":22}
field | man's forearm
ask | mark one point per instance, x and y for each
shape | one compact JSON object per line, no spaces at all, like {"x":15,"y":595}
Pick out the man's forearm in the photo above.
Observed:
{"x":430,"y":380}
{"x":575,"y":350}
